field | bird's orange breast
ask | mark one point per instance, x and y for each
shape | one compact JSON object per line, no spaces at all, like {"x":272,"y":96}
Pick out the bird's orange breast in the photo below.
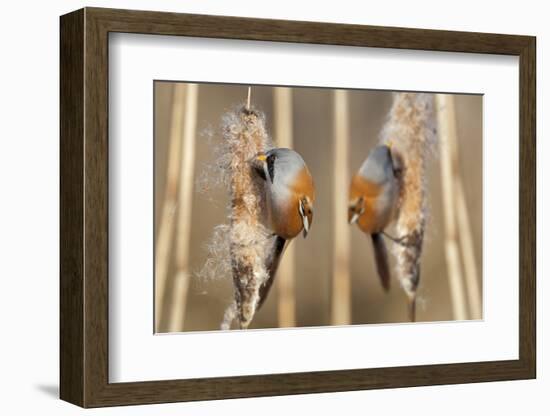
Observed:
{"x":286,"y":220}
{"x":370,"y":221}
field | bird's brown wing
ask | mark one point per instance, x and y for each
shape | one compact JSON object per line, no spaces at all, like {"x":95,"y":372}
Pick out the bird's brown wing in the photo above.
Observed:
{"x":271,"y":265}
{"x":381,"y":259}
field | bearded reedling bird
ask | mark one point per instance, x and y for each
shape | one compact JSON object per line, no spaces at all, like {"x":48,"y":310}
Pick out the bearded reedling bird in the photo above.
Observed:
{"x":372,"y":203}
{"x":290,"y":194}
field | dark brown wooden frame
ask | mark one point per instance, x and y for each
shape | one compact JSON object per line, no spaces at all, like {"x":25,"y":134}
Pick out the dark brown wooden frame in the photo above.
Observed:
{"x":84,"y":210}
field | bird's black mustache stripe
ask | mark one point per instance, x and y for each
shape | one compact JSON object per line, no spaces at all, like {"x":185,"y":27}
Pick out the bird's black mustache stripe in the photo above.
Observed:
{"x":259,"y":166}
{"x":271,"y":167}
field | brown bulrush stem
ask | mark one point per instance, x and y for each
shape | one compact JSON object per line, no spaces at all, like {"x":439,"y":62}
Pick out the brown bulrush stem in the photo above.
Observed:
{"x":468,"y":255}
{"x":169,"y":203}
{"x":341,"y":278}
{"x":411,"y":134}
{"x":185,"y":202}
{"x":245,"y":136}
{"x":449,"y":173}
{"x":412,"y":308}
{"x":248,"y":98}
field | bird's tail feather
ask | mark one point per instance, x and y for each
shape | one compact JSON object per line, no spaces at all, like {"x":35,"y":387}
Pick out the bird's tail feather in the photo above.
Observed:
{"x":381,"y":258}
{"x":272,"y":264}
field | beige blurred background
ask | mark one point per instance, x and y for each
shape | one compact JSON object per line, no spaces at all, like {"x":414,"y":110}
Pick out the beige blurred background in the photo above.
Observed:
{"x":312,"y":113}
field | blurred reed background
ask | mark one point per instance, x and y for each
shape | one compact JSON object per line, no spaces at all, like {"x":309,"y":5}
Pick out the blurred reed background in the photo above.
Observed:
{"x":334,"y":132}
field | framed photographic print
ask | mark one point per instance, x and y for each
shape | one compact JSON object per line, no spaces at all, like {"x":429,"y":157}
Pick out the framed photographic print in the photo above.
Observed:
{"x":261,"y":207}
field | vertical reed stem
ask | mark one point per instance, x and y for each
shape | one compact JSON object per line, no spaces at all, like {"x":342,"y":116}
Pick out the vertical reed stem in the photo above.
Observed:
{"x":248,"y":98}
{"x":185,"y":199}
{"x":286,"y":276}
{"x":166,"y":226}
{"x":446,"y":120}
{"x":467,"y":249}
{"x":341,"y":280}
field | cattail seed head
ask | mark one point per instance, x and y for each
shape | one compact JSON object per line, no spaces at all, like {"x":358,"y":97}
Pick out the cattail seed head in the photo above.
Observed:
{"x":243,"y":245}
{"x":410,"y":129}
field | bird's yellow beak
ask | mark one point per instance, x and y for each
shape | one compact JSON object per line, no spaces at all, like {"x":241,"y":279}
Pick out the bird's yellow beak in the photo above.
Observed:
{"x":259,"y":164}
{"x":390,"y":144}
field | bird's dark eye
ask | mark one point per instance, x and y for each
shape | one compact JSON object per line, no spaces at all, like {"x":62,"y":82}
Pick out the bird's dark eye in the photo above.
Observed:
{"x":271,"y":167}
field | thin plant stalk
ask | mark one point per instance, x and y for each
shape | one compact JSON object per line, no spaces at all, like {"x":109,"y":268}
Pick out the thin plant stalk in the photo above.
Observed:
{"x":446,"y":119}
{"x":286,"y":309}
{"x":185,"y":200}
{"x":465,"y":235}
{"x":467,"y":249}
{"x":248,"y":97}
{"x":168,"y":207}
{"x":341,"y":279}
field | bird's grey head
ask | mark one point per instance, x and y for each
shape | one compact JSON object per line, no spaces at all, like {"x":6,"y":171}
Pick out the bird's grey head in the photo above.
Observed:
{"x":378,"y":167}
{"x":280,"y":165}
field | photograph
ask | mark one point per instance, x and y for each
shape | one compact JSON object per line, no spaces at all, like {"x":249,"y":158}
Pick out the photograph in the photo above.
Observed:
{"x":298,"y":206}
{"x":251,"y":204}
